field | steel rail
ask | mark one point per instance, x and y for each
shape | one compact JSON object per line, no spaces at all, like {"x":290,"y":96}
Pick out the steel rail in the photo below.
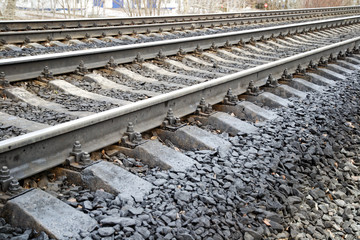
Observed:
{"x":29,"y":67}
{"x":37,"y":151}
{"x":15,"y":25}
{"x":80,"y":33}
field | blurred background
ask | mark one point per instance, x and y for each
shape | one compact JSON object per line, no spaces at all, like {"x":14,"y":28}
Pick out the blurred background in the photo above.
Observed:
{"x":45,"y":9}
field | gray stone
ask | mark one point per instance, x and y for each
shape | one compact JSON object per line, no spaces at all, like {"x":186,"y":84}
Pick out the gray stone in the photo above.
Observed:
{"x":340,"y":203}
{"x":183,"y":196}
{"x":276,"y":226}
{"x":137,"y":236}
{"x":24,"y":236}
{"x":87,"y":205}
{"x":159,"y":182}
{"x":136,"y":211}
{"x":110,"y":220}
{"x":172,"y":214}
{"x":355,"y":227}
{"x":251,"y":233}
{"x":323,"y":207}
{"x":143,"y":231}
{"x":126,"y":222}
{"x":207,"y":200}
{"x":184,"y":236}
{"x":106,"y":231}
{"x":293,"y":200}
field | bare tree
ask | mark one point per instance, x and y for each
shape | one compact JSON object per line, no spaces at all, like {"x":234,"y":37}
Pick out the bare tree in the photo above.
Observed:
{"x":142,"y":7}
{"x":327,"y":3}
{"x":10,"y":8}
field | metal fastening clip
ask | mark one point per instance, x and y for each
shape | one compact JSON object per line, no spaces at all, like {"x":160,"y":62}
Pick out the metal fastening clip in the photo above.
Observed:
{"x":203,"y":108}
{"x":312,"y":66}
{"x":3,"y":81}
{"x":160,"y":56}
{"x":77,"y":158}
{"x":198,"y":49}
{"x":85,"y":159}
{"x":76,"y":151}
{"x":227,"y":44}
{"x":81,"y":69}
{"x":356,"y":50}
{"x":322,"y":62}
{"x":252,"y":89}
{"x":5,"y":178}
{"x":138,"y":59}
{"x":131,"y":139}
{"x":300,"y":71}
{"x":252,"y":41}
{"x":171,"y":122}
{"x":271,"y":82}
{"x":230,"y":98}
{"x":333,"y":59}
{"x":241,"y":43}
{"x":286,"y":76}
{"x":46,"y":74}
{"x":341,"y":56}
{"x":14,"y":187}
{"x":213,"y":47}
{"x":181,"y":52}
{"x":348,"y":52}
{"x":111,"y":64}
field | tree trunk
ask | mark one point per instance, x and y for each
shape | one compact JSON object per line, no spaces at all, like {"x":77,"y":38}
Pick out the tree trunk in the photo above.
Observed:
{"x":10,"y":9}
{"x":53,"y":8}
{"x":186,"y":6}
{"x":159,"y":7}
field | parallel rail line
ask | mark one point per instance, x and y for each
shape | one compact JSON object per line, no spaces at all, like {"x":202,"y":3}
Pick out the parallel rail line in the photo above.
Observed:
{"x":37,"y":151}
{"x":31,"y":67}
{"x":12,"y":37}
{"x":75,"y":23}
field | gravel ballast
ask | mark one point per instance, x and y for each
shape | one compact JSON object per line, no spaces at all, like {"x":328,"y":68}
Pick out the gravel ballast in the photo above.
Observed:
{"x":297,"y":178}
{"x":70,"y":102}
{"x":137,"y":85}
{"x":32,"y":113}
{"x":7,"y":132}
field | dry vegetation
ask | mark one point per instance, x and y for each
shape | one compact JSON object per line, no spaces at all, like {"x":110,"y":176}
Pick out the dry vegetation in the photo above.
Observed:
{"x":86,"y":8}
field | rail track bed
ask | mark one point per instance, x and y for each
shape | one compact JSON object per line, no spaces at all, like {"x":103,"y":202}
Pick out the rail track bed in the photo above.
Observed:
{"x":251,"y":140}
{"x":20,"y":25}
{"x":88,"y":93}
{"x":29,"y":43}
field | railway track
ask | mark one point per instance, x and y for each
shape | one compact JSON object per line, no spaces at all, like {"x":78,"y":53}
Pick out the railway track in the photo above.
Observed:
{"x":118,"y":34}
{"x":20,"y":25}
{"x":187,"y":75}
